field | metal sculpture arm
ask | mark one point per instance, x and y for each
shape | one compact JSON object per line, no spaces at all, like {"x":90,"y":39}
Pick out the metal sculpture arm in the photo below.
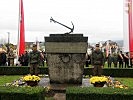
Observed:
{"x":72,"y":29}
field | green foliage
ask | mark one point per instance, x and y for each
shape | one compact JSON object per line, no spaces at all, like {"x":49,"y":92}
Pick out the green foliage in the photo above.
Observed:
{"x":14,"y":70}
{"x":7,"y":79}
{"x":17,"y":70}
{"x":92,"y":93}
{"x":43,"y":70}
{"x":126,"y":81}
{"x":113,"y":72}
{"x":22,"y":93}
{"x":117,"y":72}
{"x":23,"y":70}
{"x":49,"y":98}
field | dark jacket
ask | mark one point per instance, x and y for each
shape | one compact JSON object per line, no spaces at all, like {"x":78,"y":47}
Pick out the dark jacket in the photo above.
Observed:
{"x":97,"y":58}
{"x":34,"y":57}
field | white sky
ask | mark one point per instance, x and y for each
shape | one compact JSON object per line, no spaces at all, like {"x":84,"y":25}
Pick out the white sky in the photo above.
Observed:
{"x":97,"y":19}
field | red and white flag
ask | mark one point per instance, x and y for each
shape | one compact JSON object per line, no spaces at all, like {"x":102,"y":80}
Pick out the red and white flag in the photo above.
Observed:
{"x":128,"y":26}
{"x":21,"y":29}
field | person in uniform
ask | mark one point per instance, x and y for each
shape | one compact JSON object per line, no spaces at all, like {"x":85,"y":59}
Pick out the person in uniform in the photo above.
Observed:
{"x":97,"y":60}
{"x":11,"y":57}
{"x":115,"y":60}
{"x":34,"y":60}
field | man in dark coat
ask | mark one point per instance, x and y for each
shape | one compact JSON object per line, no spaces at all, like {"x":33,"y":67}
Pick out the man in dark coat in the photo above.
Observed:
{"x":97,"y":60}
{"x":26,"y":58}
{"x":3,"y":55}
{"x":126,"y":60}
{"x":109,"y":60}
{"x":121,"y":59}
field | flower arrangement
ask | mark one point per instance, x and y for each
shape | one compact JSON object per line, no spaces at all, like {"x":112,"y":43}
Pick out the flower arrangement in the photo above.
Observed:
{"x":16,"y":83}
{"x":98,"y":79}
{"x":115,"y":84}
{"x":31,"y":78}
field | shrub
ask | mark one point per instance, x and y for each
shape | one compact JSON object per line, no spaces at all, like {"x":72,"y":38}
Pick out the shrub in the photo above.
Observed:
{"x":22,"y":93}
{"x":24,"y":70}
{"x":14,"y":70}
{"x":92,"y":93}
{"x":20,"y":70}
{"x":113,"y":72}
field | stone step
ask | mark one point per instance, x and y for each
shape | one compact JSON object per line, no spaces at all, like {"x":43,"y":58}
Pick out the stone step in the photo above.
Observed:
{"x":60,"y":96}
{"x":61,"y":88}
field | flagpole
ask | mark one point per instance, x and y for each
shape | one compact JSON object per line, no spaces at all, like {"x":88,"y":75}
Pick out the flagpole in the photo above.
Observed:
{"x":130,"y":29}
{"x":22,"y":30}
{"x":18,"y":31}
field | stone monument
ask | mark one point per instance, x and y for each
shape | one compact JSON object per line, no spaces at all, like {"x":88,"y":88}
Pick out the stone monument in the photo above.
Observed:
{"x":66,"y":57}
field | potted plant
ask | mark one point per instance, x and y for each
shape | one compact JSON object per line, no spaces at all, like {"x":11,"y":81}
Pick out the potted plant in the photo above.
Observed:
{"x":31,"y":80}
{"x":98,"y":81}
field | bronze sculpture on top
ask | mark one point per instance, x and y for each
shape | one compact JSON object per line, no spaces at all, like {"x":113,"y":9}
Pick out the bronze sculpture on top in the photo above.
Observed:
{"x":66,"y":56}
{"x":71,"y":29}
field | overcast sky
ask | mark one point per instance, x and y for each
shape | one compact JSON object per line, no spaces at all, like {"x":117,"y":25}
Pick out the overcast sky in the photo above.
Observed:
{"x":97,"y":19}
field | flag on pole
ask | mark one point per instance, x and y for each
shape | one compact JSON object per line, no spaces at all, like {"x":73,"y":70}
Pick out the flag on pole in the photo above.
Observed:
{"x":21,"y":29}
{"x":127,"y":27}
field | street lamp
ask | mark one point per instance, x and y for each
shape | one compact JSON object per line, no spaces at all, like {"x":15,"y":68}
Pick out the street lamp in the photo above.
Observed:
{"x":8,"y":49}
{"x":8,"y":37}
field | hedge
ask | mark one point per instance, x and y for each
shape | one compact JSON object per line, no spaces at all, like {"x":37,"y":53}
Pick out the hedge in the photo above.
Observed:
{"x":23,"y":70}
{"x":113,"y":72}
{"x":22,"y":93}
{"x":92,"y":93}
{"x":17,"y":70}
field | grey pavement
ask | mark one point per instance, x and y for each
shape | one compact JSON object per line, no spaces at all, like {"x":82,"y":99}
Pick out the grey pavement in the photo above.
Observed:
{"x":60,"y":89}
{"x":45,"y":82}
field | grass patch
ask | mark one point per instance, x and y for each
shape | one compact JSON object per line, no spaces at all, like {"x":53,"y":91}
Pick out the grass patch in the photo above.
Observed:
{"x":126,"y":81}
{"x":8,"y":79}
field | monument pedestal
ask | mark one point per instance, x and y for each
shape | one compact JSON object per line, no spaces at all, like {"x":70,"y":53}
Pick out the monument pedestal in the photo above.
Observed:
{"x":66,"y":57}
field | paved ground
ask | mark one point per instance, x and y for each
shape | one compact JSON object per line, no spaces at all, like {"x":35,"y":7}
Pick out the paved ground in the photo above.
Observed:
{"x":60,"y":96}
{"x":59,"y":89}
{"x":45,"y":82}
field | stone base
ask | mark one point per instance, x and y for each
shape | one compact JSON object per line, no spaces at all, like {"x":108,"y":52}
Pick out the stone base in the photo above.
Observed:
{"x":66,"y":57}
{"x":71,"y":81}
{"x":66,"y":68}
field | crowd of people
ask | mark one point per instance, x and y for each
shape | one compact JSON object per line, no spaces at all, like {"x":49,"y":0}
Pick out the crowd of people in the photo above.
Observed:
{"x":33,"y":59}
{"x":8,"y":59}
{"x":120,"y":60}
{"x":97,"y":60}
{"x":26,"y":58}
{"x":113,"y":60}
